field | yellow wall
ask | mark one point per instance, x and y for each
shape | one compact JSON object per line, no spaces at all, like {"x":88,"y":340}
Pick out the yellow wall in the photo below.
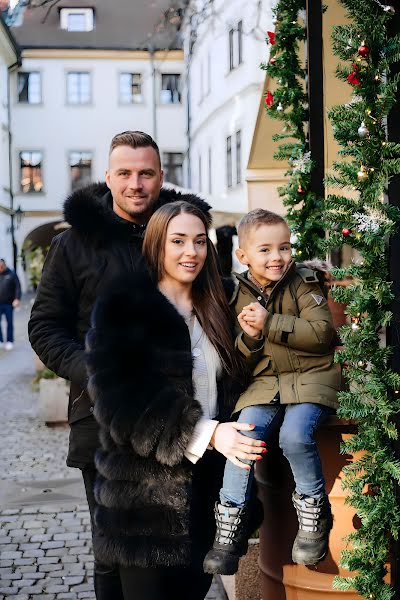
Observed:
{"x":264,"y":174}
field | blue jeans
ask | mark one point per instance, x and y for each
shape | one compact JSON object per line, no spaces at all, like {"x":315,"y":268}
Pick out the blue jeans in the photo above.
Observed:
{"x":7,"y":310}
{"x":297,"y":424}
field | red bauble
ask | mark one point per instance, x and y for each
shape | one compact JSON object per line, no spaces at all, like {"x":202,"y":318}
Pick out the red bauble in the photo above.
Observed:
{"x":301,"y":190}
{"x":346,"y":232}
{"x":269,"y":99}
{"x":272,"y":61}
{"x":271,"y":37}
{"x":353,"y":79}
{"x":363,"y":50}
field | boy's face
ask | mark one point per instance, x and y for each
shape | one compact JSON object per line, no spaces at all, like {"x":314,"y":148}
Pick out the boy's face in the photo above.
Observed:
{"x":267,"y":252}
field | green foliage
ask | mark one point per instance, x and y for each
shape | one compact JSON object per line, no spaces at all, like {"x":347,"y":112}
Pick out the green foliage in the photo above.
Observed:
{"x":373,"y":398}
{"x":34,"y":257}
{"x":290,"y":105}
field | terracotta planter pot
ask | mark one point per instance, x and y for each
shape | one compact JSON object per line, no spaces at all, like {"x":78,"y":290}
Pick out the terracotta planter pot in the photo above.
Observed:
{"x":53,"y":400}
{"x":281,"y":579}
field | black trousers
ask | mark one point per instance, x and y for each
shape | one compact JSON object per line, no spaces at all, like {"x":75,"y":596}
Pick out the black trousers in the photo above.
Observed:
{"x":107,"y":582}
{"x":168,"y":583}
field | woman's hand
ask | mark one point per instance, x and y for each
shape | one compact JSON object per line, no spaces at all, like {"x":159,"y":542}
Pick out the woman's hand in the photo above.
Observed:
{"x":228,"y":440}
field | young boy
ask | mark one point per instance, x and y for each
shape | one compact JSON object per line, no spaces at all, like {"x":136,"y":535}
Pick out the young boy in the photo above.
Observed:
{"x":286,"y":337}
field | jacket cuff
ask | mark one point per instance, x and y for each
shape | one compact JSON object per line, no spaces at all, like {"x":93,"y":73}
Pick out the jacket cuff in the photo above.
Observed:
{"x":253,"y":344}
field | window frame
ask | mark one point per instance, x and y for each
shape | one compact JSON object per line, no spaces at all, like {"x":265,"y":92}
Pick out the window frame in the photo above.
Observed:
{"x":179,"y":89}
{"x":70,"y":167}
{"x":88,"y":13}
{"x":229,"y":169}
{"x":26,"y":102}
{"x":238,"y":156}
{"x":132,"y":102}
{"x":67,"y":100}
{"x":31,"y":191}
{"x":167,"y":165}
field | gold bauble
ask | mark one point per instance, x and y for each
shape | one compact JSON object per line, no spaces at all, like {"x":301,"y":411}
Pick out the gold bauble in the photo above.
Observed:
{"x":362,"y":175}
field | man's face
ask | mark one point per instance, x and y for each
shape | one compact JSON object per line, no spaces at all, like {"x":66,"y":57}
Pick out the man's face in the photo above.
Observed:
{"x":2,"y":266}
{"x":134,"y":178}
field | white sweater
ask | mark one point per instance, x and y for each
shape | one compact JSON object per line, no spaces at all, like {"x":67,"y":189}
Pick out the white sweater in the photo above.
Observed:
{"x":206,"y":370}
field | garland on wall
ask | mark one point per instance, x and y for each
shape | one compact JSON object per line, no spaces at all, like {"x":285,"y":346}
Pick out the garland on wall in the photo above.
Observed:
{"x":362,"y":220}
{"x":289,"y":104}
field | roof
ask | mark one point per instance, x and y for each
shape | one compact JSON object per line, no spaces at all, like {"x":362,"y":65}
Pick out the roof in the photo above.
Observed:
{"x":119,"y":25}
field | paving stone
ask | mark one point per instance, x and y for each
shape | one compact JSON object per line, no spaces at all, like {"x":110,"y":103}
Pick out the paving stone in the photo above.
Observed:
{"x":52,"y":544}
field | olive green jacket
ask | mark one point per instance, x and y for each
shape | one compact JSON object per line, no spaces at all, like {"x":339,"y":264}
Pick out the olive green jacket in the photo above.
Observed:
{"x":295,"y":356}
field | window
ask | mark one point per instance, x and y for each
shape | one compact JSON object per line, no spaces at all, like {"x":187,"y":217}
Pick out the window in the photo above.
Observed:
{"x":240,"y":42}
{"x":238,"y":156}
{"x":173,"y":167}
{"x":81,"y":169}
{"x":233,"y":159}
{"x":236,"y":46}
{"x":229,"y":161}
{"x":77,"y":19}
{"x":231,"y":56}
{"x":29,"y":87}
{"x":130,"y":88}
{"x":31,"y":172}
{"x":78,"y":88}
{"x":170,"y":89}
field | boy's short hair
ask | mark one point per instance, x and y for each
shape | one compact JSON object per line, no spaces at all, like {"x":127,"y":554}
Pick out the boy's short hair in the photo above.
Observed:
{"x":254,"y":219}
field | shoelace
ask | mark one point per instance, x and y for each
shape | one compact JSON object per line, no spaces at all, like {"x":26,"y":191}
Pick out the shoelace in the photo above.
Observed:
{"x":308,"y":516}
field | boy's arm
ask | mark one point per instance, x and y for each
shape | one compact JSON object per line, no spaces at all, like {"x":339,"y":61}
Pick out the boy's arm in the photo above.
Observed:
{"x":312,"y":331}
{"x":251,"y":348}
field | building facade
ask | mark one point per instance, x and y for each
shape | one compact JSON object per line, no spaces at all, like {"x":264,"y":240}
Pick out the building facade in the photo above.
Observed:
{"x":224,"y":46}
{"x":9,"y":60}
{"x":87,"y":74}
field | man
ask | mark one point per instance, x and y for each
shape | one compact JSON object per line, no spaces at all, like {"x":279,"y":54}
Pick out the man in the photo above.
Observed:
{"x":104,"y":242}
{"x":10,"y":296}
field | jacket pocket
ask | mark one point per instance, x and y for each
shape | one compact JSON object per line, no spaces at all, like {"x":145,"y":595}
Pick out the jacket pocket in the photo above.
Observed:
{"x":80,"y":406}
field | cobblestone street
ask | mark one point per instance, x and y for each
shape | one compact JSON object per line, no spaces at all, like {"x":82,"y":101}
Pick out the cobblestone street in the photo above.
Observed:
{"x":45,"y":542}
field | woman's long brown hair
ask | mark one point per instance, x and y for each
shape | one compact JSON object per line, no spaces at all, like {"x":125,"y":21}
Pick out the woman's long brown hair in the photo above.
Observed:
{"x":209,"y":300}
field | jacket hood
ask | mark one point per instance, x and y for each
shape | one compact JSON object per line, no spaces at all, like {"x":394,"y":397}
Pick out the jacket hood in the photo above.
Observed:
{"x":89,"y":211}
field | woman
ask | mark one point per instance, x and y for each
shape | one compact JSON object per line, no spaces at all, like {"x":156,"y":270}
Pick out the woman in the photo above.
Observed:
{"x":164,"y":375}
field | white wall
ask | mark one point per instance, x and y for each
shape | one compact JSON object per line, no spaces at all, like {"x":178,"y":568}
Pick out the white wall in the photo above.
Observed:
{"x":56,"y":128}
{"x":230,"y":100}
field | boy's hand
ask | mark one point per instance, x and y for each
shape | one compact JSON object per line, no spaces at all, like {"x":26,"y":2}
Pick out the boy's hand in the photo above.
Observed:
{"x":249,"y":329}
{"x":255,"y":315}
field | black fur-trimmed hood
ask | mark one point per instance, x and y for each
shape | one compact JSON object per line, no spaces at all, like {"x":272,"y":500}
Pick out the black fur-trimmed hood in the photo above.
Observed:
{"x":89,"y":211}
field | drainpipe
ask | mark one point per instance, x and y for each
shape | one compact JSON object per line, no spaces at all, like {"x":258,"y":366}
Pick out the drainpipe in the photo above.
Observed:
{"x":154,"y":91}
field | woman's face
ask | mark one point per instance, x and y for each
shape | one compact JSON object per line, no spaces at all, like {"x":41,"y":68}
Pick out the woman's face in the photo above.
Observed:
{"x":185,"y":248}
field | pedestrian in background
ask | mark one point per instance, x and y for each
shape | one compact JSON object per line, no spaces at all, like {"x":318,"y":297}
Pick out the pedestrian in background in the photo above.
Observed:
{"x":107,"y":221}
{"x":164,"y":380}
{"x":10,"y":296}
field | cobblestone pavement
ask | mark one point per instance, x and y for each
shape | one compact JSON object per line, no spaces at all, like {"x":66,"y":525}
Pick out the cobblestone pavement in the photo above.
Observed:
{"x":45,"y":542}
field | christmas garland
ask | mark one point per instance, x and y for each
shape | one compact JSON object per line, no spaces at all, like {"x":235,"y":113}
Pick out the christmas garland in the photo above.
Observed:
{"x":289,"y":104}
{"x":365,"y":222}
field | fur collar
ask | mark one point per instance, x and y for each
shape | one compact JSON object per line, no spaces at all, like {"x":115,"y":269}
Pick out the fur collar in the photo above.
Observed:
{"x":89,"y":211}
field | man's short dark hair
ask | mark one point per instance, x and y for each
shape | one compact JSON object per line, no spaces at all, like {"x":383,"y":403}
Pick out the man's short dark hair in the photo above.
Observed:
{"x":134,"y":139}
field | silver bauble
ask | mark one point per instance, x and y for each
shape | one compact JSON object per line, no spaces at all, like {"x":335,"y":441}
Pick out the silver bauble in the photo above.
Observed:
{"x":279,"y":108}
{"x":389,"y":9}
{"x":363,"y":130}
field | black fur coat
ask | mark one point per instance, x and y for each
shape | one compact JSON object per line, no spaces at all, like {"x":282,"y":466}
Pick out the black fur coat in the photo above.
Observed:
{"x":140,"y":367}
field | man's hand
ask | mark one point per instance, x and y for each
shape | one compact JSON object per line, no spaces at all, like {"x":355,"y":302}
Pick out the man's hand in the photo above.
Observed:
{"x":252,"y":319}
{"x":228,"y":440}
{"x":15,"y":303}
